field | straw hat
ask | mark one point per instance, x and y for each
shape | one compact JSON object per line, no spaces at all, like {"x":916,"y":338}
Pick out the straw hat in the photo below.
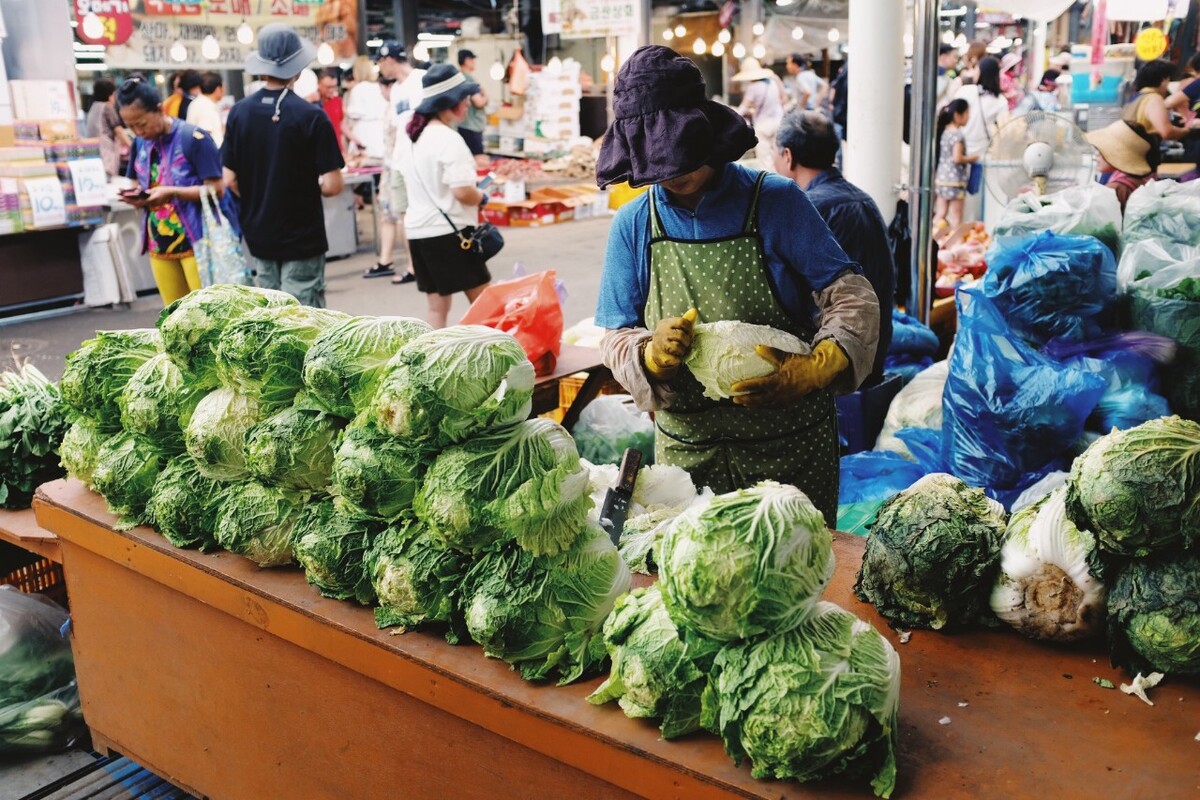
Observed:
{"x":1009,"y":61}
{"x":752,"y":71}
{"x":1121,"y":146}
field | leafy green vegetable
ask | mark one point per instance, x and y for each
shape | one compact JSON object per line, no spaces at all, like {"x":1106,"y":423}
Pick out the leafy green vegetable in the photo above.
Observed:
{"x":192,"y":326}
{"x":932,"y":555}
{"x":262,"y":352}
{"x":158,"y":403}
{"x":1138,"y":490}
{"x":127,"y":467}
{"x":185,"y":504}
{"x":80,"y":448}
{"x":97,"y":372}
{"x":376,"y":472}
{"x":343,"y":367}
{"x":723,"y":354}
{"x":544,"y":614}
{"x":293,"y":449}
{"x":33,"y":421}
{"x":654,"y":673}
{"x":216,"y":433}
{"x":416,"y":582}
{"x":1187,"y":289}
{"x":523,"y":483}
{"x":49,"y":723}
{"x":816,"y":701}
{"x":256,"y":521}
{"x":330,"y":544}
{"x":1049,"y":585}
{"x":451,"y":384}
{"x":748,"y":562}
{"x":1154,"y":615}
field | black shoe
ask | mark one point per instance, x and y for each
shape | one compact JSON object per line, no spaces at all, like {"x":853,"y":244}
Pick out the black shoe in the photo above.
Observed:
{"x":379,"y":271}
{"x":408,"y":277}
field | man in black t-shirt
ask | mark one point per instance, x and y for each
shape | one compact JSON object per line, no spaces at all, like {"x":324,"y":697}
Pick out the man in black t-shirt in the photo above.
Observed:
{"x":281,"y":155}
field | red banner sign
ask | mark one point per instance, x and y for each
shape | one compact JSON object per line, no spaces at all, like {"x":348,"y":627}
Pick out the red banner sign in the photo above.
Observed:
{"x":103,"y":21}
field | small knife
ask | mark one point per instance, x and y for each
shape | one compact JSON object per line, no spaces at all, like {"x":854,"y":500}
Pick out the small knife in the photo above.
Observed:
{"x":618,"y":498}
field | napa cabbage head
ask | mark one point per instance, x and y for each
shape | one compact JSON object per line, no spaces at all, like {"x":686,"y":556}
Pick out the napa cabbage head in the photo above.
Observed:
{"x":525,"y":484}
{"x":193,"y":325}
{"x":257,"y":521}
{"x":127,"y":467}
{"x":749,"y":562}
{"x":451,"y":384}
{"x":216,"y":434}
{"x":544,"y":615}
{"x":80,"y":449}
{"x":417,"y":582}
{"x":817,"y":701}
{"x":330,"y":545}
{"x":1049,"y":585}
{"x":96,"y":373}
{"x":723,"y":353}
{"x":294,"y":449}
{"x":1138,"y":490}
{"x":343,"y":367}
{"x":1154,"y":615}
{"x":158,"y":402}
{"x":932,"y":555}
{"x":185,"y":504}
{"x":655,"y":674}
{"x":375,"y":472}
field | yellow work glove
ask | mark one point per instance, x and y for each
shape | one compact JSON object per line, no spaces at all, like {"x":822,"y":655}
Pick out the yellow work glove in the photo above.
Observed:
{"x":797,"y":375}
{"x":672,"y":340}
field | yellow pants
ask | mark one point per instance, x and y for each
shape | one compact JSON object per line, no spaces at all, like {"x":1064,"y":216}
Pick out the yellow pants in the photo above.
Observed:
{"x":175,"y":277}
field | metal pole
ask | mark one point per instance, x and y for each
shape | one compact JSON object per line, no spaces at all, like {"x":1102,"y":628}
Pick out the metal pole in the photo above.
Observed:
{"x":404,"y":15}
{"x":922,"y":156}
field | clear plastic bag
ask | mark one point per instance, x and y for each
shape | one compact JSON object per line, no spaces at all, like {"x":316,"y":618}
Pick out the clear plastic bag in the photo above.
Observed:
{"x":1090,"y":210}
{"x":1148,"y":256}
{"x":1167,"y":211}
{"x":609,"y":425}
{"x":918,"y":405}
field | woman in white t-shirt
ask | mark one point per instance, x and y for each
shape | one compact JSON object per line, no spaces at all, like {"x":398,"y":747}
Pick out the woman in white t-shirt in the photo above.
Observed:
{"x":439,"y":173}
{"x":989,"y":107}
{"x":367,"y":110}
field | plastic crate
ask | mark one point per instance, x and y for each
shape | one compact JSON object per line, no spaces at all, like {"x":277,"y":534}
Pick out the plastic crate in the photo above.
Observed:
{"x":41,"y":577}
{"x":861,"y":414}
{"x":569,"y":387}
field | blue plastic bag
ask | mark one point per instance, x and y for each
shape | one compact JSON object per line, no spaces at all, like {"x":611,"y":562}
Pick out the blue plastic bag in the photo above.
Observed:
{"x":911,"y":337}
{"x":1007,"y":410}
{"x":1051,"y":285}
{"x":925,"y":445}
{"x":875,"y":475}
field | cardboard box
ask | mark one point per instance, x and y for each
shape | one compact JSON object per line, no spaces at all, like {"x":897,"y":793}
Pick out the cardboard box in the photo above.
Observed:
{"x":496,"y":213}
{"x":509,"y":112}
{"x":8,"y":135}
{"x":535,"y":215}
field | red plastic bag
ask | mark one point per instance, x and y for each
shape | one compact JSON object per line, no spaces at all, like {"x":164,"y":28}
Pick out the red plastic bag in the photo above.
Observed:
{"x":527,"y":308}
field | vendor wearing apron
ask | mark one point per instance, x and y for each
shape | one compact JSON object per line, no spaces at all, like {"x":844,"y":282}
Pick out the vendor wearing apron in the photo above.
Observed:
{"x":710,"y":241}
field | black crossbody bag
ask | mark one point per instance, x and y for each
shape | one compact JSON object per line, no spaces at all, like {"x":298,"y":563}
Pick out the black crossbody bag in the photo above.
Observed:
{"x":484,"y":239}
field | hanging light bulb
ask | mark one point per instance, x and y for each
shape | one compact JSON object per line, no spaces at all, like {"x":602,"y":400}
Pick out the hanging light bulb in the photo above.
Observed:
{"x":210,"y":48}
{"x":699,"y":47}
{"x":421,"y":52}
{"x":739,"y":51}
{"x":797,"y":33}
{"x":607,"y":63}
{"x":759,"y":28}
{"x":760,"y":51}
{"x":724,"y":36}
{"x":245,"y":34}
{"x":93,"y":28}
{"x":178,"y":51}
{"x":960,"y":41}
{"x":668,"y":35}
{"x":782,"y":3}
{"x":496,"y":73}
{"x":680,"y":31}
{"x":325,"y":54}
{"x":948,"y":37}
{"x":718,"y":49}
{"x":834,"y":34}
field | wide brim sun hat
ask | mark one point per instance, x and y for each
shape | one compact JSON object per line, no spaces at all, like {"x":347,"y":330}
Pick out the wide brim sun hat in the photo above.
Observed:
{"x":1121,"y":147}
{"x":282,"y":53}
{"x":444,"y":86}
{"x":751,"y":70}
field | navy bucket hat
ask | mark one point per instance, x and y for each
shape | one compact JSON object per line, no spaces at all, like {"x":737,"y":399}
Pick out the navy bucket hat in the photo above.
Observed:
{"x":442,"y":87}
{"x":664,"y":124}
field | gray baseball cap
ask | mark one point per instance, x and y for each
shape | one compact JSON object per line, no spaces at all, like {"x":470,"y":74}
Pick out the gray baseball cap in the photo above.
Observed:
{"x":281,"y":53}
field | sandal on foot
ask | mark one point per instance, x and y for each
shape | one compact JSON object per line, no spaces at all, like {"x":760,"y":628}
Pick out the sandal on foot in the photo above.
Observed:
{"x":407,"y":277}
{"x":379,"y":271}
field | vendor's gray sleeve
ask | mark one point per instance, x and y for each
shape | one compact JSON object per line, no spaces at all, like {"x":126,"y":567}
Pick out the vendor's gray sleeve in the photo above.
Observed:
{"x":850,"y":316}
{"x":621,"y":350}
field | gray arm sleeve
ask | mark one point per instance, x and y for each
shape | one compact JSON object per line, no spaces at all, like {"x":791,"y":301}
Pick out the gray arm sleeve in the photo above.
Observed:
{"x":621,"y":350}
{"x":850,"y":316}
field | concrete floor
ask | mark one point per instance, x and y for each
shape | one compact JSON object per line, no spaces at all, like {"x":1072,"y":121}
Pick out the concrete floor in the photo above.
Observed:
{"x":575,"y":249}
{"x":22,"y":776}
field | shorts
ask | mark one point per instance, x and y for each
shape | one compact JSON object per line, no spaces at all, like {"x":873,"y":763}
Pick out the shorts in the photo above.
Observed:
{"x":443,"y":267}
{"x":393,"y":199}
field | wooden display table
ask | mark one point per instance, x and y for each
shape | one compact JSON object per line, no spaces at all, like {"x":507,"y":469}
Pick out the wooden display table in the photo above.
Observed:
{"x":237,"y":683}
{"x":20,"y":528}
{"x":571,"y":359}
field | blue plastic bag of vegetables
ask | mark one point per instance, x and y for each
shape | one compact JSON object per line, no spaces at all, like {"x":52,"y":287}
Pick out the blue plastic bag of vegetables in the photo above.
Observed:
{"x":1007,"y":410}
{"x":1051,"y":285}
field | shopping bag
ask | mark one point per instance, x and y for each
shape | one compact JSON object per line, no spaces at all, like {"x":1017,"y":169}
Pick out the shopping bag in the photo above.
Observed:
{"x":527,"y":308}
{"x":1166,"y":211}
{"x":219,"y":251}
{"x":1089,"y":210}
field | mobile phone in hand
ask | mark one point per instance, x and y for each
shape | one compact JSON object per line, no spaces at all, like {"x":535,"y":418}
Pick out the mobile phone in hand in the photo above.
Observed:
{"x":135,"y":194}
{"x":486,"y":182}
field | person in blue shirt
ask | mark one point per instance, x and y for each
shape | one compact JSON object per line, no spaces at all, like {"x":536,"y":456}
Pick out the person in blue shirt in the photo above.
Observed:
{"x":713,"y":240}
{"x":805,"y":148}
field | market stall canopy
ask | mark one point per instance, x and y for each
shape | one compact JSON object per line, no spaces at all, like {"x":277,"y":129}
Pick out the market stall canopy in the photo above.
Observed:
{"x":1039,"y":10}
{"x":780,"y":36}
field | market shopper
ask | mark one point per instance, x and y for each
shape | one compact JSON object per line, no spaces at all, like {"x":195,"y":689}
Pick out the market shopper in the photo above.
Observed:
{"x":104,"y":123}
{"x":1121,"y":158}
{"x":713,"y":241}
{"x":439,"y":173}
{"x":1147,"y":112}
{"x":762,"y":104}
{"x":393,"y":69}
{"x":203,"y":111}
{"x":953,"y":166}
{"x":805,"y":149}
{"x":280,"y":156}
{"x":171,"y":160}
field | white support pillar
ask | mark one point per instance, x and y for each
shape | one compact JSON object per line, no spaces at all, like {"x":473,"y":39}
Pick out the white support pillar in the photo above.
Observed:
{"x":1037,"y":53}
{"x":875,"y":110}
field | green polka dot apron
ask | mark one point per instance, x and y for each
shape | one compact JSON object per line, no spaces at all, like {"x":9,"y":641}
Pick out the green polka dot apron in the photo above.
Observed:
{"x":723,"y":445}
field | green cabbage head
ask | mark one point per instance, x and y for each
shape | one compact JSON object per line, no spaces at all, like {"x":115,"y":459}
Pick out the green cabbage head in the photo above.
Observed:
{"x":816,"y":701}
{"x":375,"y":472}
{"x":80,"y":449}
{"x":192,"y":326}
{"x":544,"y":614}
{"x":1154,"y":615}
{"x":262,"y":352}
{"x":330,"y":544}
{"x":749,"y":562}
{"x":1138,"y":490}
{"x":451,"y":384}
{"x":127,"y":467}
{"x":256,"y":521}
{"x":654,"y":673}
{"x":932,"y":555}
{"x":416,"y":581}
{"x":96,"y":373}
{"x":524,"y":483}
{"x":294,"y":449}
{"x":158,"y":402}
{"x":343,"y":367}
{"x":723,"y":354}
{"x":185,"y":504}
{"x":216,"y":433}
